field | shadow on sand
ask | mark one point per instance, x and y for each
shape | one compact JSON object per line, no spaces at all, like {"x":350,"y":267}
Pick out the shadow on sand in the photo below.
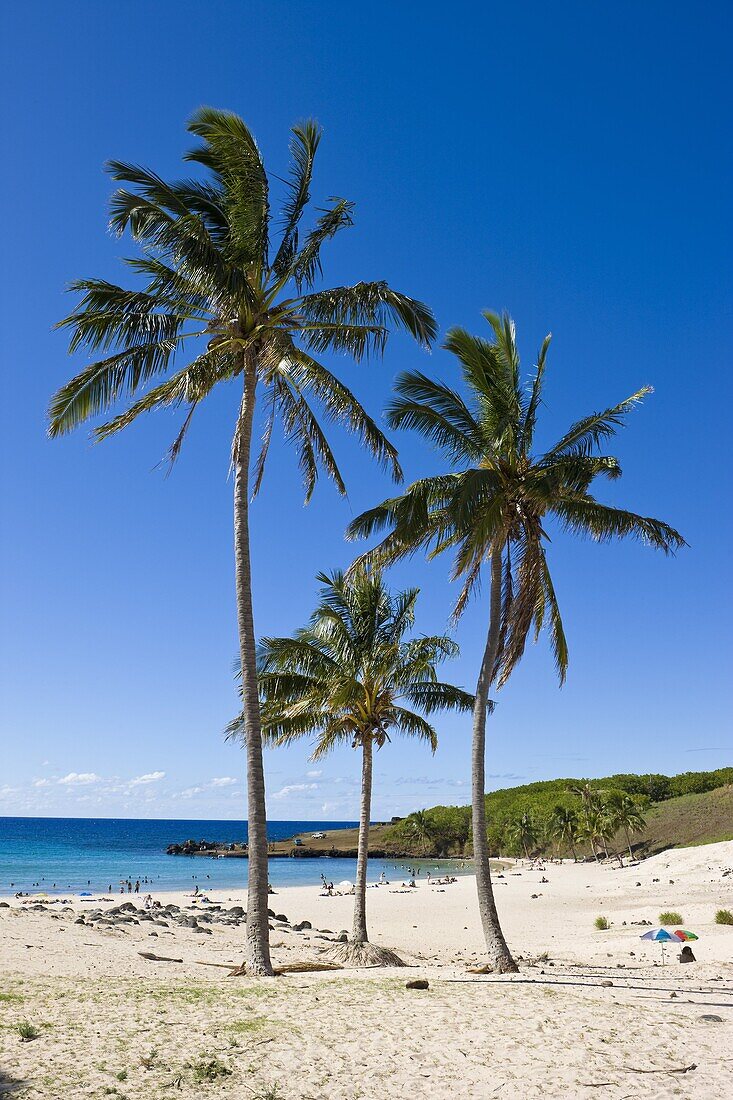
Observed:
{"x":10,"y":1086}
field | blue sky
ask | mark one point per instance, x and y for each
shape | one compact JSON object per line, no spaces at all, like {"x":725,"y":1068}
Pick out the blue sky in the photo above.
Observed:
{"x":570,"y":163}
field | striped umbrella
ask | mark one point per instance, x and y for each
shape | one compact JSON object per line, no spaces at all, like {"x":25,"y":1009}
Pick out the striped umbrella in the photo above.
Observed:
{"x":661,"y":936}
{"x":683,"y":934}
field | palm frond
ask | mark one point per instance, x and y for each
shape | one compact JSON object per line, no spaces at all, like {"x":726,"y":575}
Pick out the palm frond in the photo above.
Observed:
{"x":306,"y":264}
{"x":230,"y":152}
{"x":304,"y":144}
{"x":591,"y":431}
{"x":438,"y":413}
{"x":373,"y":304}
{"x":342,"y":407}
{"x":581,"y":514}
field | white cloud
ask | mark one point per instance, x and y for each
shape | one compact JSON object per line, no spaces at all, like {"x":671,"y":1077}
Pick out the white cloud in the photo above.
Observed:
{"x":223,"y":781}
{"x":191,"y":791}
{"x":149,"y":777}
{"x":314,"y":775}
{"x":42,"y":782}
{"x":294,"y":788}
{"x":77,"y":779}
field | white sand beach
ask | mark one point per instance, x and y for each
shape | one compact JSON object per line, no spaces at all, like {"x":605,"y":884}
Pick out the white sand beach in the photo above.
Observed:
{"x":592,"y":1013}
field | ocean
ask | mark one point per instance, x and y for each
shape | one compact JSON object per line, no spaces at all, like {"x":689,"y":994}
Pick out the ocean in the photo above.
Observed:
{"x":71,"y":855}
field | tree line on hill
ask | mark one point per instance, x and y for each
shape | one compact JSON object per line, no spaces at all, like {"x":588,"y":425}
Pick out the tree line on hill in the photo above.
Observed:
{"x":564,"y":817}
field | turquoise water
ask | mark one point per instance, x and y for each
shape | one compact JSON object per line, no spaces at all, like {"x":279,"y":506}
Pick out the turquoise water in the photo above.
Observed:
{"x":70,"y":855}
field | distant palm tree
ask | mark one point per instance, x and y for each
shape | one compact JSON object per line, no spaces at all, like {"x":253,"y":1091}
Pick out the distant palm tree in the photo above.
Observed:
{"x":491,"y":509}
{"x":564,"y":827}
{"x":420,"y":826}
{"x":591,"y":829}
{"x":522,"y":830}
{"x":624,"y":813}
{"x":353,"y":677}
{"x":254,"y":317}
{"x":590,"y":798}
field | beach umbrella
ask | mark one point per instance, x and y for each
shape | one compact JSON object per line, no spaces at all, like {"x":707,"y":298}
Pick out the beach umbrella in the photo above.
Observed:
{"x":86,"y":894}
{"x":661,"y":936}
{"x":683,"y":934}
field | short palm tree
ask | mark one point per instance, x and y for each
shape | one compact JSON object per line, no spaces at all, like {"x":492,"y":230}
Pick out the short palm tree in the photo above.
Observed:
{"x":564,"y":827}
{"x":491,"y":509}
{"x":236,"y":310}
{"x":353,"y":677}
{"x":625,"y":813}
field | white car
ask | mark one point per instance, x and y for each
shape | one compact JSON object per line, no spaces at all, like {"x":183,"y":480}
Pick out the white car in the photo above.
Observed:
{"x":318,"y":836}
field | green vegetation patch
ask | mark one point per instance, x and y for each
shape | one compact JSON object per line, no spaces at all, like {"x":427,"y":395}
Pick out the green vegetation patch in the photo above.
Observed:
{"x":243,"y":1027}
{"x":724,"y":916}
{"x":602,"y":924}
{"x":209,"y":1069}
{"x":670,"y":916}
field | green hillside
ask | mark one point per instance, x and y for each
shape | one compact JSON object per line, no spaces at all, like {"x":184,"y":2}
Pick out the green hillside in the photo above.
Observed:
{"x":690,"y":819}
{"x":664,"y":811}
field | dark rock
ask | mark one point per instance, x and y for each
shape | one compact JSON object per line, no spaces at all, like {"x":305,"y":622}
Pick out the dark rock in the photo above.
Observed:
{"x":606,"y":984}
{"x":343,"y":938}
{"x":281,"y":917}
{"x":711,"y":1018}
{"x":237,"y":911}
{"x":79,"y":920}
{"x":202,"y":931}
{"x":302,"y":925}
{"x":418,"y":983}
{"x":4,"y":905}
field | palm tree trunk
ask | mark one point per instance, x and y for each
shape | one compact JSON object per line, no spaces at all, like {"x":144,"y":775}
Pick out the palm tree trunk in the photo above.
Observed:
{"x":572,"y":849}
{"x":258,"y":936}
{"x":359,"y":928}
{"x":500,"y":958}
{"x":628,"y":842}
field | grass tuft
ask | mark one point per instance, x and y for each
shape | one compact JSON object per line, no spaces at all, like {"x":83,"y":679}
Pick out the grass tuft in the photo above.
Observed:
{"x":27,"y":1031}
{"x":602,"y":924}
{"x":209,"y":1069}
{"x":670,"y":917}
{"x":724,"y":916}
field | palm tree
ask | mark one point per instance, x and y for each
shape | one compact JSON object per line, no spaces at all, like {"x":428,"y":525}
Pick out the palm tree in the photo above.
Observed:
{"x":522,"y":830}
{"x":625,"y":813}
{"x":352,"y":677}
{"x":236,"y":309}
{"x":564,"y":827}
{"x":590,"y":799}
{"x":420,"y":826}
{"x":491,"y":509}
{"x":591,"y":830}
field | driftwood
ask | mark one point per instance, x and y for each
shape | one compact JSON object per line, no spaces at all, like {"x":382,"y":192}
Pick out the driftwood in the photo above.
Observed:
{"x":674,"y":1069}
{"x":157,"y":958}
{"x":288,"y":968}
{"x":633,"y":1069}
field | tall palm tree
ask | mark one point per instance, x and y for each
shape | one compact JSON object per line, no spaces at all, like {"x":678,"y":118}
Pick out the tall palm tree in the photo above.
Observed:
{"x":237,"y":310}
{"x":624,"y":813}
{"x":564,"y":827}
{"x":353,"y":677}
{"x":491,"y":509}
